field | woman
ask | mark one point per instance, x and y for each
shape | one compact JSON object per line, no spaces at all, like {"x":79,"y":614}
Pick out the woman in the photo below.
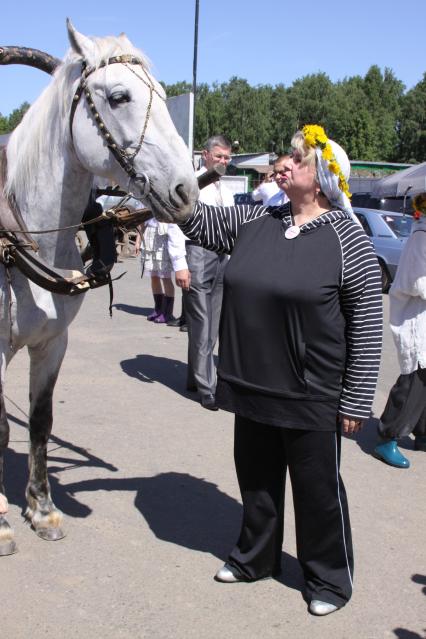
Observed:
{"x":299,"y":356}
{"x":162,"y":253}
{"x":405,"y":410}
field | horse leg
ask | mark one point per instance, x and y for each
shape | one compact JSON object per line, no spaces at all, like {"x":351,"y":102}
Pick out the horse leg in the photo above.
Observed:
{"x":45,"y":362}
{"x":7,"y":543}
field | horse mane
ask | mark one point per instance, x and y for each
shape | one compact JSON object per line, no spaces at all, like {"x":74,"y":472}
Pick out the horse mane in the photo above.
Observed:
{"x":51,"y":112}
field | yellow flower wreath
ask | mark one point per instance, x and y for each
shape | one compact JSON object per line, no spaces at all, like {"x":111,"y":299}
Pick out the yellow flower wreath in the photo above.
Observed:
{"x":315,"y":136}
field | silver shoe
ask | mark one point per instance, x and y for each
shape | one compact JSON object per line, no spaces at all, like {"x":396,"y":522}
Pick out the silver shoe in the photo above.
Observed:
{"x":321,"y":608}
{"x":226,"y":576}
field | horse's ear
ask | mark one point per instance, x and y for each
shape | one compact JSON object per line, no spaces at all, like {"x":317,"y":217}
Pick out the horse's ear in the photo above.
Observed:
{"x":124,"y":40}
{"x":81,"y":44}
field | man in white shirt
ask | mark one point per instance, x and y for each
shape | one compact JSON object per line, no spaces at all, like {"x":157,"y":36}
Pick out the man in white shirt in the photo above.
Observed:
{"x":203,"y":300}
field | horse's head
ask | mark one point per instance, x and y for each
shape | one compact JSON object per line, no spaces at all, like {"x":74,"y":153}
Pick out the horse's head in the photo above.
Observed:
{"x":121,"y":128}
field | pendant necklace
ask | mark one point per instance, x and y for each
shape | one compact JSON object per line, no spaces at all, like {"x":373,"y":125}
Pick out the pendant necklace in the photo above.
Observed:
{"x":292,"y":231}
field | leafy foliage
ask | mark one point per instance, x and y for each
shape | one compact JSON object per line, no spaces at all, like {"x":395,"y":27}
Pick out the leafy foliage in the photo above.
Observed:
{"x":371,"y":116}
{"x":7,"y":124}
{"x":412,"y":125}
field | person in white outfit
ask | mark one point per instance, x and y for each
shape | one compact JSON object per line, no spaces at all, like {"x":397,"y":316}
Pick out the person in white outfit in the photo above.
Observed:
{"x":162,"y":253}
{"x":280,"y":197}
{"x":266,"y":189}
{"x":405,"y":411}
{"x":271,"y":191}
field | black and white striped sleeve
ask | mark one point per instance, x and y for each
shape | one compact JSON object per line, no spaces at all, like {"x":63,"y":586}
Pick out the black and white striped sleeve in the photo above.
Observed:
{"x":361,"y":299}
{"x":216,"y":227}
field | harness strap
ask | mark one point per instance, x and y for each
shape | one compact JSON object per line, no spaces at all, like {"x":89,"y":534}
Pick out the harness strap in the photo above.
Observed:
{"x":55,"y":280}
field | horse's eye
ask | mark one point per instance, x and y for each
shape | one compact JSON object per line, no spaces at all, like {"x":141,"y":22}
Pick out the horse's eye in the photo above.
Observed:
{"x":117,"y":98}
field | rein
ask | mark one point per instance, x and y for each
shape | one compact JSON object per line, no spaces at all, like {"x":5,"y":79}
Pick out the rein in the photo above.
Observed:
{"x":110,"y":214}
{"x":17,"y":247}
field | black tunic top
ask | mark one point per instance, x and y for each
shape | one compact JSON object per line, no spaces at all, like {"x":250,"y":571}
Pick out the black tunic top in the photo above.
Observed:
{"x":301,"y":322}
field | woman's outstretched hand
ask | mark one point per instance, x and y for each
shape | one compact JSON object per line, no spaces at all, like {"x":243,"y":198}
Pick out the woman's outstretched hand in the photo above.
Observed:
{"x":351,"y":424}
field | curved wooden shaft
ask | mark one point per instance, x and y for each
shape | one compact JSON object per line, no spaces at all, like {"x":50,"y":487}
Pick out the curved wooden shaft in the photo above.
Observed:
{"x":30,"y":57}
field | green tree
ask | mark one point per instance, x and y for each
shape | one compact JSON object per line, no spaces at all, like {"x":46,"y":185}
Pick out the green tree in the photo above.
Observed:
{"x":16,"y":116}
{"x":310,"y":100}
{"x":209,"y":113}
{"x":283,"y":120}
{"x":350,"y":122}
{"x":412,"y":125}
{"x":383,"y":95}
{"x":247,"y":114}
{"x":3,"y":124}
{"x":176,"y":89}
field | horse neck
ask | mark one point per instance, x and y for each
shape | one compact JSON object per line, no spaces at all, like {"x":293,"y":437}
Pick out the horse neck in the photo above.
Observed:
{"x":55,"y":197}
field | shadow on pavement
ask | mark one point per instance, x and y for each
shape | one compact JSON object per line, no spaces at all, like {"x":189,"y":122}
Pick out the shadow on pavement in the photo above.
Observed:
{"x":132,"y":310}
{"x":15,"y":480}
{"x":402,"y":633}
{"x":190,"y":512}
{"x":367,"y":438}
{"x":16,"y":471}
{"x":179,"y":508}
{"x":420,"y":579}
{"x":149,"y":368}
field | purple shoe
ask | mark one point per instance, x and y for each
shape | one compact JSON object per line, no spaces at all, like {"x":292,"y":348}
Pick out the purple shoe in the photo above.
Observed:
{"x":158,"y":305}
{"x":152,"y":317}
{"x":167,"y":311}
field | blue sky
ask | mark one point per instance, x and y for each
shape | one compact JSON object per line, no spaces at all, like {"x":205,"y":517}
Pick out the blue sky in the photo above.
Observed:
{"x":265,"y":43}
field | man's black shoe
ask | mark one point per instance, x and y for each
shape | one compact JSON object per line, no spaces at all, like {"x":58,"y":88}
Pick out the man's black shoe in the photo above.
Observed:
{"x":184,"y":328}
{"x":176,"y":321}
{"x":209,"y":402}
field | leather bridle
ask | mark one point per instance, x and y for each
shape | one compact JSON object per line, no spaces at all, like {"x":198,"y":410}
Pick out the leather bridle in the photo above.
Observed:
{"x":125,"y":156}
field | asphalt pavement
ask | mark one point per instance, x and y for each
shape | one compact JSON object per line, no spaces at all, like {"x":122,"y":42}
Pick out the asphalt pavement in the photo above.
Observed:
{"x":146,"y":481}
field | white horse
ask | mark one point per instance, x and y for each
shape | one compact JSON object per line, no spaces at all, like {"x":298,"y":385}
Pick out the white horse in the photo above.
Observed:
{"x":103,"y":114}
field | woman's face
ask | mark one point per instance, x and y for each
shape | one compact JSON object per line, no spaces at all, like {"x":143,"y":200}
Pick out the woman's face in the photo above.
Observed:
{"x":297,"y":178}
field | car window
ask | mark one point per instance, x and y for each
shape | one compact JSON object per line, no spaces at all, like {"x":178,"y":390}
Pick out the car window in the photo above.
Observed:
{"x":365,"y":225}
{"x":399,"y":224}
{"x":244,"y":198}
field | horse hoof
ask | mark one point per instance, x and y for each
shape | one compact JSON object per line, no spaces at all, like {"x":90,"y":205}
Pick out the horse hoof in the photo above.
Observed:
{"x":8,"y":548}
{"x":46,"y":525}
{"x":7,"y":543}
{"x":50,"y":534}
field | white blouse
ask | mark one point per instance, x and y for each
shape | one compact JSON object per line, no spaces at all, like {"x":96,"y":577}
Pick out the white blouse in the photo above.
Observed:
{"x":408,"y":302}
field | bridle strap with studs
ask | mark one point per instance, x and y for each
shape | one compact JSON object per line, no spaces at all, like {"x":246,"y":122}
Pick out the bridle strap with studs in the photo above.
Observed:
{"x":122,"y":155}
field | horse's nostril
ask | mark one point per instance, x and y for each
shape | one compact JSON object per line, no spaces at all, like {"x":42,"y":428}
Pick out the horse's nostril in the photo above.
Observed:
{"x":180,"y":190}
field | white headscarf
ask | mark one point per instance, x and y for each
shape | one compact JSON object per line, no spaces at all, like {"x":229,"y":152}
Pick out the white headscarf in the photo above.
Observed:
{"x":329,"y":182}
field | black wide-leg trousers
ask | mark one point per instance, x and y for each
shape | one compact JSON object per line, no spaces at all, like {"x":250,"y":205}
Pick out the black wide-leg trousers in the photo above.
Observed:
{"x":405,"y":410}
{"x":262,"y":454}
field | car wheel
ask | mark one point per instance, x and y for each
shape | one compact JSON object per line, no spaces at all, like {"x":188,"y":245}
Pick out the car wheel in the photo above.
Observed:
{"x":386,"y":278}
